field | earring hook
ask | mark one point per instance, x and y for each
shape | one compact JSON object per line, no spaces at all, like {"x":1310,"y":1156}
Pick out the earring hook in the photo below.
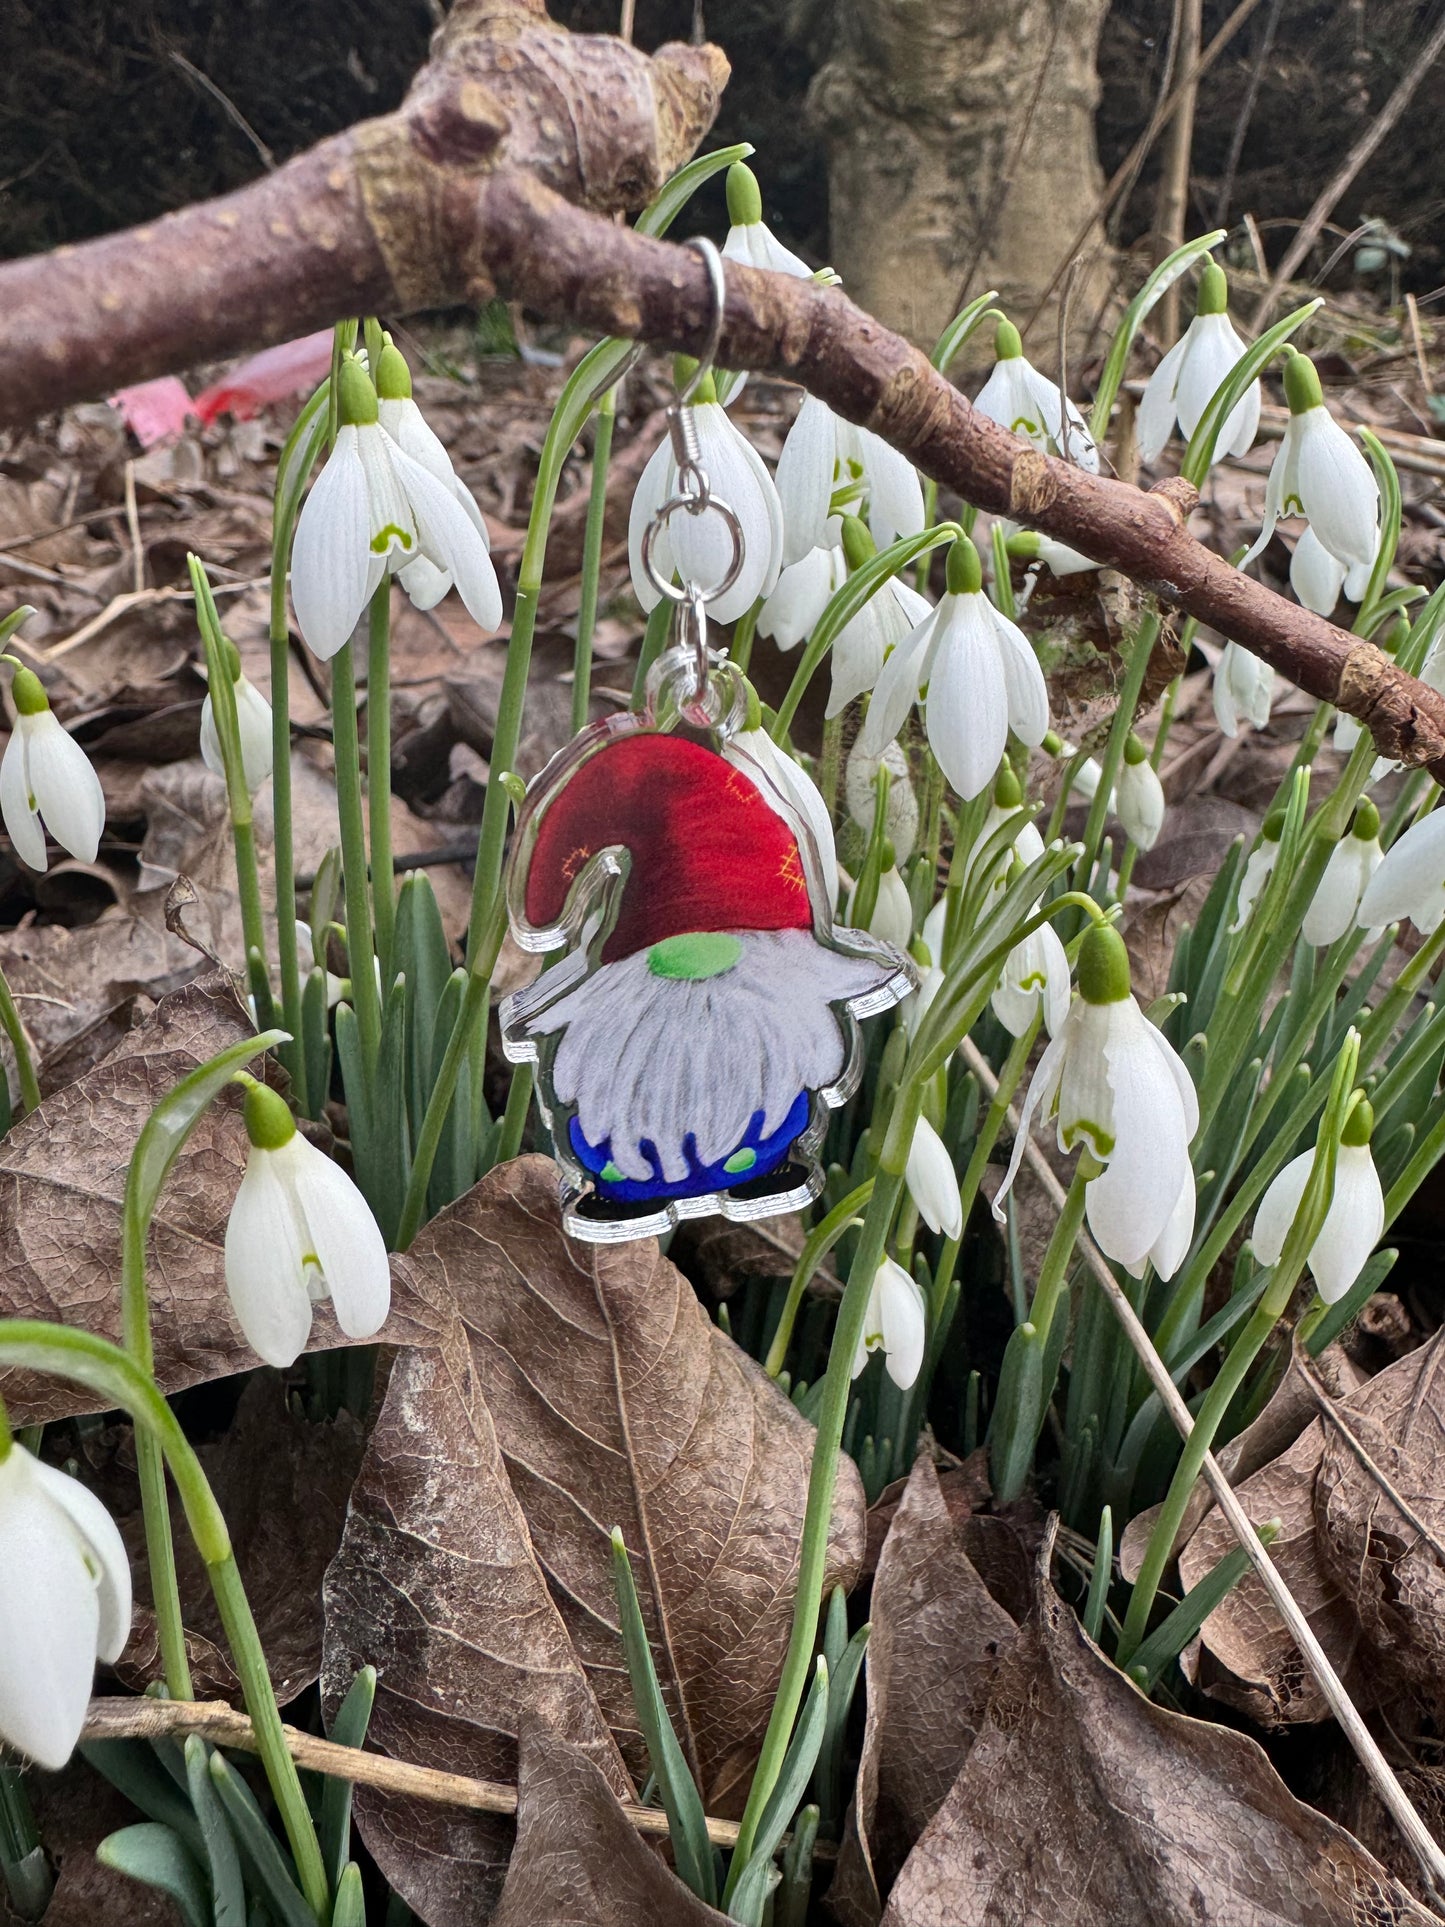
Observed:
{"x":717,"y":282}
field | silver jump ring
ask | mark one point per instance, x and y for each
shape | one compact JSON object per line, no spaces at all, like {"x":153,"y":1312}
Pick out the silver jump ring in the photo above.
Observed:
{"x":683,"y":592}
{"x":717,"y":282}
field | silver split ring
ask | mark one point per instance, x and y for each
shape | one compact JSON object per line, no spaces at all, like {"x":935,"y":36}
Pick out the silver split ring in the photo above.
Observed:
{"x":683,"y":592}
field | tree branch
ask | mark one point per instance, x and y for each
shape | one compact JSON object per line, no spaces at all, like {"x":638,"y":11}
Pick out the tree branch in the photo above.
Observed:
{"x":496,"y":176}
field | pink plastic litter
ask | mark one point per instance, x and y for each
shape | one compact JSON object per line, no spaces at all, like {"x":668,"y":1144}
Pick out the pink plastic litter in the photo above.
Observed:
{"x":154,"y":411}
{"x":295,"y":367}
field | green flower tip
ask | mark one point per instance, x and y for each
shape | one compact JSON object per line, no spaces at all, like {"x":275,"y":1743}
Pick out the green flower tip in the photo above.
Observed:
{"x":858,"y":545}
{"x":269,"y":1123}
{"x":745,"y":197}
{"x":1367,"y":822}
{"x":1007,"y":795}
{"x":1273,"y":827}
{"x":1359,"y":1125}
{"x":754,"y":719}
{"x":1103,"y":966}
{"x":684,"y":367}
{"x":965,"y":571}
{"x":1053,"y":744}
{"x":29,"y":693}
{"x":1134,"y":751}
{"x":355,"y":396}
{"x":1396,"y":635}
{"x":1007,"y":345}
{"x":233,"y":658}
{"x":1213,"y":296}
{"x":393,"y":377}
{"x":1025,"y":545}
{"x":921,"y":954}
{"x":1302,"y":384}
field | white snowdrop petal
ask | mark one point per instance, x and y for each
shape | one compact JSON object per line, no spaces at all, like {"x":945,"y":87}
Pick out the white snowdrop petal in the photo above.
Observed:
{"x":904,"y":1323}
{"x":331,"y":556}
{"x":1314,"y":574}
{"x":1172,"y":1245}
{"x":346,"y":1240}
{"x":210,"y":739}
{"x":1140,"y":799}
{"x":966,"y":709}
{"x":264,"y":1265}
{"x":1276,"y":1210}
{"x":895,"y":494}
{"x":654,"y":486}
{"x":702,"y":546}
{"x":933,"y":1182}
{"x":1158,"y":406}
{"x":425,"y":584}
{"x":451,"y":539}
{"x":896,"y":689}
{"x":1353,"y":1225}
{"x":800,"y":596}
{"x":805,"y":478}
{"x":1410,"y":882}
{"x":109,"y":1561}
{"x":1337,"y":488}
{"x":1043,"y":1088}
{"x":253,"y":719}
{"x":49,"y":1620}
{"x":1028,"y":694}
{"x":66,"y":789}
{"x":1057,"y":986}
{"x":22,"y":823}
{"x":1130,"y":1205}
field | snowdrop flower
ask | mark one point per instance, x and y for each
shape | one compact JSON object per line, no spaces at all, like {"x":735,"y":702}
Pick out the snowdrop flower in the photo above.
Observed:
{"x":1140,"y":796}
{"x":750,"y":240}
{"x":1336,"y":903}
{"x":699,"y":547}
{"x":253,"y":722}
{"x":46,"y":782}
{"x":426,"y":581}
{"x":1027,"y":846}
{"x":65,"y":1603}
{"x":901,"y":817}
{"x":892,"y":917}
{"x":823,"y":451}
{"x":801,"y":594}
{"x":1184,"y":383}
{"x":981,"y":679}
{"x":786,"y":778}
{"x":1121,"y":1092}
{"x":1354,"y":1223}
{"x":916,"y":1005}
{"x":1258,"y":869}
{"x":299,"y":1231}
{"x":1410,"y":882}
{"x":1035,"y":977}
{"x":1019,"y":398}
{"x":1320,"y":474}
{"x":887,"y":618}
{"x":1057,"y":557}
{"x":896,"y":1325}
{"x":1243,"y":686}
{"x":1317,"y":578}
{"x":375,"y":508}
{"x":933,"y":1182}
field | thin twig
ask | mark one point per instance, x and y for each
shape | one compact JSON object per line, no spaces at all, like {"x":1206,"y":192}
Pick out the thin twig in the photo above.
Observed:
{"x":1329,"y":195}
{"x":1178,"y":153}
{"x":1397,"y":1802}
{"x":227,"y":105}
{"x":132,"y":522}
{"x":1246,"y":113}
{"x":149,"y":1719}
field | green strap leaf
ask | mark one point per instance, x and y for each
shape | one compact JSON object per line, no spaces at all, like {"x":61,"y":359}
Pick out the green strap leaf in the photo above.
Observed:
{"x":270,"y":1870}
{"x":1169,"y":1639}
{"x":760,"y":1876}
{"x":176,"y":1116}
{"x":156,"y":1856}
{"x":347,"y":1729}
{"x":228,"y":1893}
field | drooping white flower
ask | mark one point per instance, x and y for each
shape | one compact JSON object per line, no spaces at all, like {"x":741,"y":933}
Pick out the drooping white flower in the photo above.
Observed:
{"x":788,"y":779}
{"x":933,"y":1182}
{"x":750,"y":239}
{"x":1027,"y":846}
{"x":425,"y":581}
{"x":1019,"y":398}
{"x":1317,"y":578}
{"x":901,"y":817}
{"x":1320,"y":474}
{"x":802,"y":592}
{"x":1182,"y":386}
{"x":896,"y":1324}
{"x":253,"y":724}
{"x":1140,"y":796}
{"x":1243,"y":686}
{"x":46,"y":782}
{"x":1410,"y":881}
{"x":1258,"y":869}
{"x":1028,"y":545}
{"x":65,"y":1602}
{"x":1121,"y":1092}
{"x":1035,"y":977}
{"x":1354,"y":1222}
{"x":885,"y":621}
{"x":823,"y":452}
{"x":978,"y":677}
{"x":892,"y":917}
{"x":700,"y":547}
{"x":1336,"y":903}
{"x":374,"y":508}
{"x":299,"y":1232}
{"x":1085,"y":778}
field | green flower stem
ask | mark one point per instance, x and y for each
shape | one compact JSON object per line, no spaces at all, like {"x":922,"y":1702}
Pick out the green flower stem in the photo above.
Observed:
{"x":744,"y":630}
{"x":1054,"y":1271}
{"x":103,"y":1367}
{"x":378,"y":771}
{"x":818,"y":1243}
{"x":822,"y":1479}
{"x":475,"y":1001}
{"x":7,"y":1437}
{"x":1009,"y":1079}
{"x":350,"y":809}
{"x":1145,"y":638}
{"x":24,"y":1062}
{"x":592,"y":560}
{"x":514,"y":1117}
{"x":492,"y":842}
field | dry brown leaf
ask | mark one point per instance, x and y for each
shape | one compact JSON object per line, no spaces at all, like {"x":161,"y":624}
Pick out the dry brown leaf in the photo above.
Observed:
{"x":66,"y":982}
{"x":437,"y":1586}
{"x":1083,"y":1802}
{"x":935,"y":1646}
{"x":578,"y":1863}
{"x":617,"y":1402}
{"x":720,"y":1255}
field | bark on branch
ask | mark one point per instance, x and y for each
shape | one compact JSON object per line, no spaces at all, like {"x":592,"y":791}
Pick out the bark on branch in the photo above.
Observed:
{"x":496,"y":176}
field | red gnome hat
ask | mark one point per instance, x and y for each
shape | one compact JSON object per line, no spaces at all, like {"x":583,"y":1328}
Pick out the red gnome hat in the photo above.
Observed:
{"x":708,"y":851}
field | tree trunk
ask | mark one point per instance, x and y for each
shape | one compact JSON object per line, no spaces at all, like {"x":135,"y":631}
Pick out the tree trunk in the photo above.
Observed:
{"x":962,"y":157}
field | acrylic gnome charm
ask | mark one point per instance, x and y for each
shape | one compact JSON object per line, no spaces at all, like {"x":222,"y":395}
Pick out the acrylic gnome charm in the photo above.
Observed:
{"x":690,"y":1043}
